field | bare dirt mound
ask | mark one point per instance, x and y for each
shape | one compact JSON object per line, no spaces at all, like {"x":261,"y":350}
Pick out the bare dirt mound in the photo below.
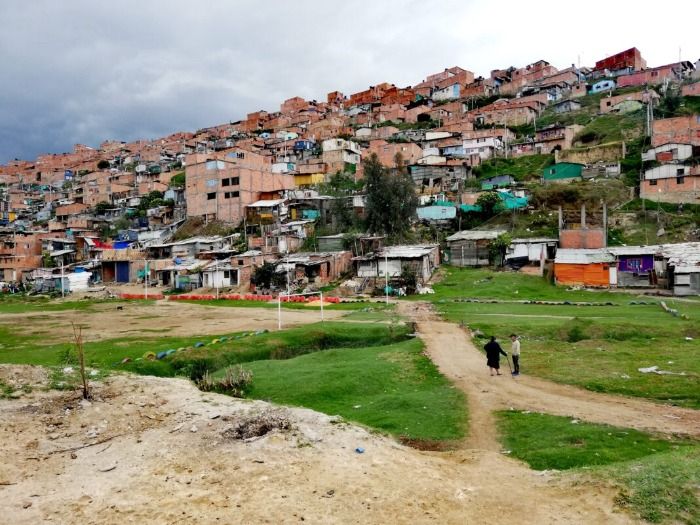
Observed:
{"x":151,"y":450}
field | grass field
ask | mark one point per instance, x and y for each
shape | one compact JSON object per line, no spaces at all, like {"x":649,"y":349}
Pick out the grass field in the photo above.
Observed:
{"x":599,"y":348}
{"x":656,"y":477}
{"x":393,"y":388}
{"x":331,"y":366}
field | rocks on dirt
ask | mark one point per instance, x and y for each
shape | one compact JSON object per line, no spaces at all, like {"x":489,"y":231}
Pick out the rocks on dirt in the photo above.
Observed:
{"x":259,"y":424}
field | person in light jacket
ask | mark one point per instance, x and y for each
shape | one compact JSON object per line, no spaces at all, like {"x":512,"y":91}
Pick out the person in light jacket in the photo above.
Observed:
{"x":515,"y":352}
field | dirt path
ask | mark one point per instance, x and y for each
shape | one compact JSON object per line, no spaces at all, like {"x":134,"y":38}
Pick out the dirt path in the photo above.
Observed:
{"x":456,"y":356}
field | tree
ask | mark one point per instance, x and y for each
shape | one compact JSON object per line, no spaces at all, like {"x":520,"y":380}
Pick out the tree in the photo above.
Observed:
{"x":498,"y":247}
{"x":391,"y":199}
{"x":488,"y":202}
{"x":101,"y":207}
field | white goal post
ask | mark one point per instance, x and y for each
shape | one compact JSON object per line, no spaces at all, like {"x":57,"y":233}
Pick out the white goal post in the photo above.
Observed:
{"x":280,"y":300}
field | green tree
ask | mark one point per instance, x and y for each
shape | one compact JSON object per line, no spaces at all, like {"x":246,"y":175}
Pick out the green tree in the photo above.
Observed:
{"x":489,"y":203}
{"x":498,"y":247}
{"x":101,"y":207}
{"x":391,"y":199}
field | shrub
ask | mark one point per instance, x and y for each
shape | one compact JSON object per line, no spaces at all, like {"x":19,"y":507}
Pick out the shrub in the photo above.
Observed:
{"x":236,"y":382}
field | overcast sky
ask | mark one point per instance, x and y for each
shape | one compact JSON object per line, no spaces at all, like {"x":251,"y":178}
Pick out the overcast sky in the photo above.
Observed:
{"x":85,"y":71}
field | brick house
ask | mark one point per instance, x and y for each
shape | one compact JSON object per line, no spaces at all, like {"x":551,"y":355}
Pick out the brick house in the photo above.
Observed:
{"x":386,"y":152}
{"x":691,"y":90}
{"x":221,"y":186}
{"x":671,"y":183}
{"x":608,"y":104}
{"x":683,"y":130}
{"x":630,"y":59}
{"x":672,"y":72}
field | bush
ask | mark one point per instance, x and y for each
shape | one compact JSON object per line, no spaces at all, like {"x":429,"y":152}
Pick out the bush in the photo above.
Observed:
{"x":236,"y":382}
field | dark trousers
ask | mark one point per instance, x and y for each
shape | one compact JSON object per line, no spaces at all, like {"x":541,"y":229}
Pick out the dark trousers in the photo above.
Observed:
{"x":516,"y":364}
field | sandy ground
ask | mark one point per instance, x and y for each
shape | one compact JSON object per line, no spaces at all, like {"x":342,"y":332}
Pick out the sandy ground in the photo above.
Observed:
{"x":174,"y":318}
{"x":152,"y":450}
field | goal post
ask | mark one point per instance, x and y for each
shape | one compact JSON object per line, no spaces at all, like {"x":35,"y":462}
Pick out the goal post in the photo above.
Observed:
{"x":283,"y":297}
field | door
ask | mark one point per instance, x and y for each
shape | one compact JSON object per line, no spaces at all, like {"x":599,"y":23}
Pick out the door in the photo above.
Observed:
{"x":613,"y":276}
{"x":123,"y":272}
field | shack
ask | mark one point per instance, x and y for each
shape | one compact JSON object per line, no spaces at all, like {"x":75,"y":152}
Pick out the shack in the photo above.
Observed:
{"x":471,"y":247}
{"x":391,"y":261}
{"x":585,"y":267}
{"x":531,"y":252}
{"x":636,"y":265}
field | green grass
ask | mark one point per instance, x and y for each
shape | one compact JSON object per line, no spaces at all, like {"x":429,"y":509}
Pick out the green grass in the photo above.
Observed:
{"x":599,"y":348}
{"x":657,"y":478}
{"x":24,"y":304}
{"x":662,"y":487}
{"x":349,"y":306}
{"x":521,"y":168}
{"x":393,"y":388}
{"x":547,"y":442}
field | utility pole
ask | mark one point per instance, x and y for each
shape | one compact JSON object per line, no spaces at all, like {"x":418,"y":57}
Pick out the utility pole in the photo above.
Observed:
{"x":145,"y":278}
{"x":386,"y":275}
{"x":63,"y":288}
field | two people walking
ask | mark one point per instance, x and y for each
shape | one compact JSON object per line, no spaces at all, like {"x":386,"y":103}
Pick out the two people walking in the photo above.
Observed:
{"x":494,"y":352}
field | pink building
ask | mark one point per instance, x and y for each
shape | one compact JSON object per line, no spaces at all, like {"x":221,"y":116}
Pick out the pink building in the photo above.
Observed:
{"x":221,"y":186}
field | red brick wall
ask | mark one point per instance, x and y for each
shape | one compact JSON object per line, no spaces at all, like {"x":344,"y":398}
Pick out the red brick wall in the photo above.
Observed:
{"x":584,"y":238}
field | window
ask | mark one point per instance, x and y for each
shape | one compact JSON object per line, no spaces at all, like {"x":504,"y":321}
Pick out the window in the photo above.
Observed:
{"x":235,"y":181}
{"x":227,"y":274}
{"x":608,"y":103}
{"x":653,"y":182}
{"x":231,"y":194}
{"x":226,"y":182}
{"x":680,"y":180}
{"x":211,"y":196}
{"x":680,"y":171}
{"x":634,"y":264}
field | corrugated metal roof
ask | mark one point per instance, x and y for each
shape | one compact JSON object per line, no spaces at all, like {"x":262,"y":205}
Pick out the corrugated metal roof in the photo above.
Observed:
{"x":534,"y":240}
{"x":408,"y":251}
{"x":475,"y":235}
{"x":266,"y":204}
{"x":583,"y":256}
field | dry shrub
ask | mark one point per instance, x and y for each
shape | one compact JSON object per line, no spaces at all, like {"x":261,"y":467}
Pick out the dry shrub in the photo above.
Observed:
{"x":236,"y":382}
{"x":256,"y":425}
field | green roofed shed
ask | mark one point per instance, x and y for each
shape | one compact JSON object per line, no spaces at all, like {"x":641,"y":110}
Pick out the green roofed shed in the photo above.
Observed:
{"x":562,"y":172}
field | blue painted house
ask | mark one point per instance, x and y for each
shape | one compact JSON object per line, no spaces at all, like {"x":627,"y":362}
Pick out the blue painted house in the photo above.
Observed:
{"x":602,"y":86}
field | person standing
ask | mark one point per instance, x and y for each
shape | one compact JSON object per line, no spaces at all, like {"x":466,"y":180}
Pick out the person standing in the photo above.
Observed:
{"x":493,"y":356}
{"x":515,"y":352}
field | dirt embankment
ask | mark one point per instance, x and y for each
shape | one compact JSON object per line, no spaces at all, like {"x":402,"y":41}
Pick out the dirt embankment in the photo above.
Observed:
{"x":151,"y":450}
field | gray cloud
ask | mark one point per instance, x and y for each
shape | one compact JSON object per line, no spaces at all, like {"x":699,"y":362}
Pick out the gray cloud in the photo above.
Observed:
{"x":84,"y":71}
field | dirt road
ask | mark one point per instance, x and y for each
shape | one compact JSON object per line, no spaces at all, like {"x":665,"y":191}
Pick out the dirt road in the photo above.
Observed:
{"x":452,"y":350}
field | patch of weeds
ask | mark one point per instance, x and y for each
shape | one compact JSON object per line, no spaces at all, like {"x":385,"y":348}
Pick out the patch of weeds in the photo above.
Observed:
{"x":6,"y":390}
{"x":236,"y":382}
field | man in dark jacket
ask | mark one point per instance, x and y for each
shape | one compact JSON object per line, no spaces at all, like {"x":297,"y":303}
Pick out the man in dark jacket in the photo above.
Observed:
{"x":493,"y":356}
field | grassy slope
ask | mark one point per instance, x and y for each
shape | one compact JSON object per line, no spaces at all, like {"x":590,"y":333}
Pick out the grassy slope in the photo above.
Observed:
{"x":656,"y":477}
{"x":393,"y":388}
{"x":596,"y":347}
